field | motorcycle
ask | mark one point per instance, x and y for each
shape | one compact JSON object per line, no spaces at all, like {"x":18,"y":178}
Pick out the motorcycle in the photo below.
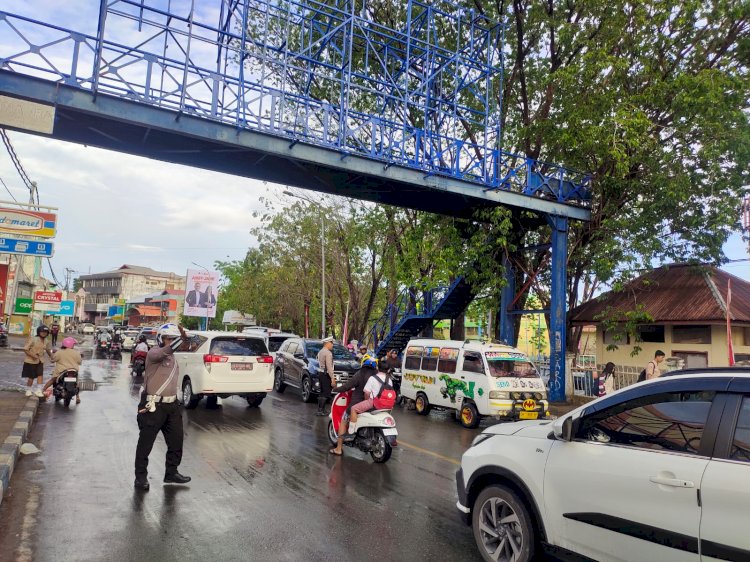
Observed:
{"x":376,"y":430}
{"x":66,"y":387}
{"x":102,"y":349}
{"x":396,"y":382}
{"x":115,"y":350}
{"x":139,"y":365}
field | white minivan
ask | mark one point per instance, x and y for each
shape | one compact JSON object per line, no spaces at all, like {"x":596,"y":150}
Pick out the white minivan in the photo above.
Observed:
{"x":223,"y":364}
{"x":473,"y":378}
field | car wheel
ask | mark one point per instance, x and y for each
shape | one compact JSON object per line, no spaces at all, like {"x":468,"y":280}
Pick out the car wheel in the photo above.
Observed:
{"x":502,"y":526}
{"x":381,"y":448}
{"x":212,"y":402}
{"x":307,"y":394}
{"x":469,"y":416}
{"x":278,"y":382}
{"x":254,"y":400}
{"x":188,"y":398}
{"x":421,"y":404}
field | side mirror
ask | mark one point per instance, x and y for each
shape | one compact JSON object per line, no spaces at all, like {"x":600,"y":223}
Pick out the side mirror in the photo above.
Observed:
{"x":563,"y":429}
{"x":299,"y":355}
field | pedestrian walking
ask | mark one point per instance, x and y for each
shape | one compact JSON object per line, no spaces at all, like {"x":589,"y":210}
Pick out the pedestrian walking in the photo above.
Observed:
{"x":54,"y":331}
{"x":33,"y":365}
{"x":652,"y":370}
{"x":604,"y":380}
{"x":326,"y":375}
{"x":159,"y":410}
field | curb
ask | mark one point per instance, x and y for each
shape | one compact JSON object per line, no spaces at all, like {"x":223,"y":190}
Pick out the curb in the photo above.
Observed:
{"x":10,"y":447}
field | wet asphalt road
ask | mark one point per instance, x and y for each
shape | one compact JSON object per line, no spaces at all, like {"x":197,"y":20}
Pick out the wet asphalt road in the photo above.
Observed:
{"x":264,"y":486}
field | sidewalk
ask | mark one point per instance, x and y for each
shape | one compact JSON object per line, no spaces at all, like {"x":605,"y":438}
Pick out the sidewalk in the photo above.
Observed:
{"x":17,"y":413}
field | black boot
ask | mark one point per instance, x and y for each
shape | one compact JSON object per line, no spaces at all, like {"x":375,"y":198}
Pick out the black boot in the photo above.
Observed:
{"x":141,"y":483}
{"x":176,"y":478}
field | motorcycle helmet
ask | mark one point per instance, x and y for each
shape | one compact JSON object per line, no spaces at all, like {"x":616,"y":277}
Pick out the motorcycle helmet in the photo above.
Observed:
{"x":370,"y":362}
{"x":42,"y":328}
{"x":141,"y":339}
{"x":365,"y":357}
{"x":166,"y":331}
{"x":69,"y":342}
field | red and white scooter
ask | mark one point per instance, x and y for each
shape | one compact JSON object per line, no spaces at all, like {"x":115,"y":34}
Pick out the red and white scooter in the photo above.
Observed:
{"x":376,"y":429}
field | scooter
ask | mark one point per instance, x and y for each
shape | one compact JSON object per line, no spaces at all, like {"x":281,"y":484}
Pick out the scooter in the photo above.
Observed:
{"x":102,"y":349}
{"x":66,"y":387}
{"x":376,"y":430}
{"x":396,"y":382}
{"x":115,"y":350}
{"x":139,"y":365}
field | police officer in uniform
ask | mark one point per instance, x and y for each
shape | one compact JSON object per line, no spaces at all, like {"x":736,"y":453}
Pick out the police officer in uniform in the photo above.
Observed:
{"x":159,"y":409}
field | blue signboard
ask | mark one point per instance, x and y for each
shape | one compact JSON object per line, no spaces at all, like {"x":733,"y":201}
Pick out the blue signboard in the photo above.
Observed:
{"x":26,"y":247}
{"x":66,"y":309}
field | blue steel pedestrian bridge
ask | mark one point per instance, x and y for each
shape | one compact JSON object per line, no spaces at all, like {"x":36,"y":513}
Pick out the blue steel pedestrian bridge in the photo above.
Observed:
{"x":396,"y":103}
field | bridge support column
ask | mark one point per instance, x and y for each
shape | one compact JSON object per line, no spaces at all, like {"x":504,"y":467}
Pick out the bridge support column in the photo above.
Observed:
{"x":507,"y":333}
{"x":558,"y":319}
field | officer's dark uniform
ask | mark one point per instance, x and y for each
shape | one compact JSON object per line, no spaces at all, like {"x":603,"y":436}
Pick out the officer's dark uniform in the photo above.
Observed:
{"x":167,"y":418}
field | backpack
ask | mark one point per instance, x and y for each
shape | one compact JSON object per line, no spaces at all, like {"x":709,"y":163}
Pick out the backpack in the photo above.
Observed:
{"x":642,"y":375}
{"x":386,"y":398}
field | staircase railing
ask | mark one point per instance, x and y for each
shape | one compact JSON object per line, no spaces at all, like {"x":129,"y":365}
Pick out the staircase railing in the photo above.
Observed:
{"x":409,"y":304}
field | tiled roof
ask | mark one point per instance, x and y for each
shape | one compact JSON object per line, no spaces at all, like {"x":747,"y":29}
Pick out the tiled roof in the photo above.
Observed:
{"x":675,"y":293}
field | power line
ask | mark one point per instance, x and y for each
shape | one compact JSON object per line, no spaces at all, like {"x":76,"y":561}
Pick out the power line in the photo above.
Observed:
{"x":16,"y":162}
{"x":8,"y":190}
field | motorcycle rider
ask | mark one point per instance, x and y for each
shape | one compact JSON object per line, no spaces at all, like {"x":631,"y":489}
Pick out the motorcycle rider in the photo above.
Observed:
{"x":379,"y":379}
{"x":140,"y":350}
{"x":66,"y":359}
{"x":357,"y":385}
{"x":159,"y":410}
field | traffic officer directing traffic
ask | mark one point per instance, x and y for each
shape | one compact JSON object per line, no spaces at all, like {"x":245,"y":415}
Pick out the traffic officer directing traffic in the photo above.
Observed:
{"x":159,"y":409}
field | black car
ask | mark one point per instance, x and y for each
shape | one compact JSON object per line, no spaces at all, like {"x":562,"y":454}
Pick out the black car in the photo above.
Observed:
{"x":297,"y":365}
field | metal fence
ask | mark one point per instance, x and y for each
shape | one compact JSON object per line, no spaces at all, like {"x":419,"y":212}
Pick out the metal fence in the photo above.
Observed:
{"x":582,"y":373}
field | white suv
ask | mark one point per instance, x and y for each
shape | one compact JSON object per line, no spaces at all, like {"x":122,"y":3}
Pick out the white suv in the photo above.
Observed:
{"x":656,"y":472}
{"x":223,"y":364}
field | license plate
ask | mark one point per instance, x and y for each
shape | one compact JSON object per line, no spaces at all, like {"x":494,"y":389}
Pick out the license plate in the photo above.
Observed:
{"x":242,"y":366}
{"x":528,"y":415}
{"x":69,"y":379}
{"x":390,"y":431}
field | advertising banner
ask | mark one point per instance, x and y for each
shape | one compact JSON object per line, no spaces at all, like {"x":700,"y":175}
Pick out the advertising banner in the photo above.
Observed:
{"x":23,"y":306}
{"x":54,"y":297}
{"x":26,"y":247}
{"x":28,"y":223}
{"x":3,"y":284}
{"x":200,"y":293}
{"x":66,"y":308}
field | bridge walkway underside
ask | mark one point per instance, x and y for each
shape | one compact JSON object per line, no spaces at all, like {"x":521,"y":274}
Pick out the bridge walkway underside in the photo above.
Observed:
{"x":135,"y":128}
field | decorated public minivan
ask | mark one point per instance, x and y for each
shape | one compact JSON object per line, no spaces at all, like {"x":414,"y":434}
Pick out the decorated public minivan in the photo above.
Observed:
{"x":475,"y":379}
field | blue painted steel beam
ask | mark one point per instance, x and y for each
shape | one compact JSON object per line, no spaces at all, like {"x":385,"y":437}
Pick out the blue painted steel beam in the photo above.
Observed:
{"x":128,"y":126}
{"x":558,"y":320}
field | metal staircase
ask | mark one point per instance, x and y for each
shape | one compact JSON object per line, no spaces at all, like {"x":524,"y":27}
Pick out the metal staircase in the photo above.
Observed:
{"x":413,"y":311}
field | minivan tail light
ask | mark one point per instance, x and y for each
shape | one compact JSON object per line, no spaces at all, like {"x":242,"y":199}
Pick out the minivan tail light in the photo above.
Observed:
{"x":208,"y":358}
{"x":264,"y":359}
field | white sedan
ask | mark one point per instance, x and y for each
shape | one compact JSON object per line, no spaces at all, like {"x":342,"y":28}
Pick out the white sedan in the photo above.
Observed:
{"x":656,"y":472}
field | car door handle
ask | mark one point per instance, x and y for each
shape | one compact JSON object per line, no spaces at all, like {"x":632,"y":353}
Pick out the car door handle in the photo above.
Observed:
{"x":673,"y":482}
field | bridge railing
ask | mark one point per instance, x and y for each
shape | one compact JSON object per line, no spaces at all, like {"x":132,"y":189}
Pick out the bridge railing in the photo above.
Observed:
{"x":423,"y":94}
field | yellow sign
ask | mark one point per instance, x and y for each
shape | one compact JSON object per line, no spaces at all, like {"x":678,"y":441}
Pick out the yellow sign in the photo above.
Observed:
{"x":529,"y":405}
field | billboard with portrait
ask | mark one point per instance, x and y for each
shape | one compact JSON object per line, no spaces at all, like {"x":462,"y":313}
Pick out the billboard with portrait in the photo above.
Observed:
{"x":201,"y":293}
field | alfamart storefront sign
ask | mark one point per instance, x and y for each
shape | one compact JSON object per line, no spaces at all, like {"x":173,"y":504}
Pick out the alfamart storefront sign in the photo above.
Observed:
{"x":29,"y":223}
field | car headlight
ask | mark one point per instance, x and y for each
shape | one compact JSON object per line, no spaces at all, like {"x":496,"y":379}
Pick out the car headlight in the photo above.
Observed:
{"x":480,"y":439}
{"x":540,"y":396}
{"x":528,"y":395}
{"x":499,"y":395}
{"x":515,"y":395}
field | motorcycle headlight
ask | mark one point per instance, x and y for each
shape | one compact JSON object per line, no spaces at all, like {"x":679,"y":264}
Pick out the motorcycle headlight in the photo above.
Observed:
{"x":499,"y":395}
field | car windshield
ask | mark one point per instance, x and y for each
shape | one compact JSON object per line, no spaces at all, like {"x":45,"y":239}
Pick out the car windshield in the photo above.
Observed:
{"x":274,"y":343}
{"x":339,"y":351}
{"x":238,"y":346}
{"x":510,"y":365}
{"x":131,"y":333}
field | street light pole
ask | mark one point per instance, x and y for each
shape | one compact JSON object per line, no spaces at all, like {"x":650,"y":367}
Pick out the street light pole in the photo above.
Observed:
{"x":322,"y":261}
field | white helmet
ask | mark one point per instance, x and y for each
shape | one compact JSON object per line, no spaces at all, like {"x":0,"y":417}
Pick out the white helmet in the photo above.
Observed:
{"x":168,"y":330}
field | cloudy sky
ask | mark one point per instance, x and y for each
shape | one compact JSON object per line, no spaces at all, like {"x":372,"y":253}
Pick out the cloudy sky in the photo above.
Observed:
{"x":115,"y":208}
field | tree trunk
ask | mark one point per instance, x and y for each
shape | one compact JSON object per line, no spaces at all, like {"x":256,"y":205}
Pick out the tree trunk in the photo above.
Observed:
{"x":458,"y":328}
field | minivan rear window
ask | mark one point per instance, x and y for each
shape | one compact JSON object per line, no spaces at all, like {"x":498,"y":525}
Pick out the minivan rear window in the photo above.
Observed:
{"x":238,"y":346}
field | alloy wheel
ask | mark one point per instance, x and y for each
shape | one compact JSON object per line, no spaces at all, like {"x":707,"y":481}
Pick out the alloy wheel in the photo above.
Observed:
{"x":500,"y":530}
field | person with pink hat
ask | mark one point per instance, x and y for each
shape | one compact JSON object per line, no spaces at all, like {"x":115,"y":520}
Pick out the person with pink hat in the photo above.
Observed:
{"x":66,"y":359}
